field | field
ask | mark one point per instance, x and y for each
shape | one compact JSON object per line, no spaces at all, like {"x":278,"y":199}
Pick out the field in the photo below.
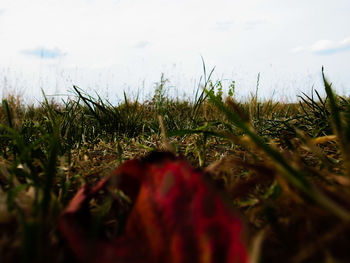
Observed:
{"x":284,"y":166}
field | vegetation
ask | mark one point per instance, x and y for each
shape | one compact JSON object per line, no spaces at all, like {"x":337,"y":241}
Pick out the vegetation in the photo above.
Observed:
{"x":285,"y":166}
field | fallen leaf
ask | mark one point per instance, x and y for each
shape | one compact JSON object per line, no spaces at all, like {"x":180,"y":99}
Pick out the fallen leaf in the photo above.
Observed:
{"x":177,"y":216}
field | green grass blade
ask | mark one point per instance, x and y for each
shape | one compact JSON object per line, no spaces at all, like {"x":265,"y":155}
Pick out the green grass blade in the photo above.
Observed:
{"x":50,"y":173}
{"x":333,"y":106}
{"x":8,"y":112}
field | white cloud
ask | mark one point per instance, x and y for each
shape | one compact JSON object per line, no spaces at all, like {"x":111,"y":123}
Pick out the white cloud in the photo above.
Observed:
{"x":223,"y":25}
{"x":298,"y":49}
{"x":325,"y":47}
{"x":43,"y":53}
{"x":141,"y":44}
{"x":251,"y":24}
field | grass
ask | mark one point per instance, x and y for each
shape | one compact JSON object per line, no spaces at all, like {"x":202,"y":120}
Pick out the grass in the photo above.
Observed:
{"x":285,"y":166}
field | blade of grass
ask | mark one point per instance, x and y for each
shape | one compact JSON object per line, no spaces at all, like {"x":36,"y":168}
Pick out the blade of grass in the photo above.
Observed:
{"x":202,"y":97}
{"x":50,"y":173}
{"x":333,"y":106}
{"x":339,"y":130}
{"x":8,"y":112}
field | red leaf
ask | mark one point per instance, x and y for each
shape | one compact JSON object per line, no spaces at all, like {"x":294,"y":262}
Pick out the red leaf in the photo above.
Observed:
{"x":177,"y":216}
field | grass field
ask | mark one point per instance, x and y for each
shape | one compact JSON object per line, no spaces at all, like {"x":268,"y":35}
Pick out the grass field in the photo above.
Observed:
{"x":285,"y":166}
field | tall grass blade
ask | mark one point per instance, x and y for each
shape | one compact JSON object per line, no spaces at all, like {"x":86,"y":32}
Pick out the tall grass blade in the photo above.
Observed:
{"x":333,"y":106}
{"x":340,"y":131}
{"x":202,"y":97}
{"x":50,"y":173}
{"x":8,"y":112}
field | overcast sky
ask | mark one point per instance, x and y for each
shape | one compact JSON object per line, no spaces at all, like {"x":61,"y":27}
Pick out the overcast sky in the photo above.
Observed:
{"x":110,"y":45}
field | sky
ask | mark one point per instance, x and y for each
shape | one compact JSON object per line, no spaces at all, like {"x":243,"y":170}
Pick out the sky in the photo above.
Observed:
{"x":112,"y":46}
